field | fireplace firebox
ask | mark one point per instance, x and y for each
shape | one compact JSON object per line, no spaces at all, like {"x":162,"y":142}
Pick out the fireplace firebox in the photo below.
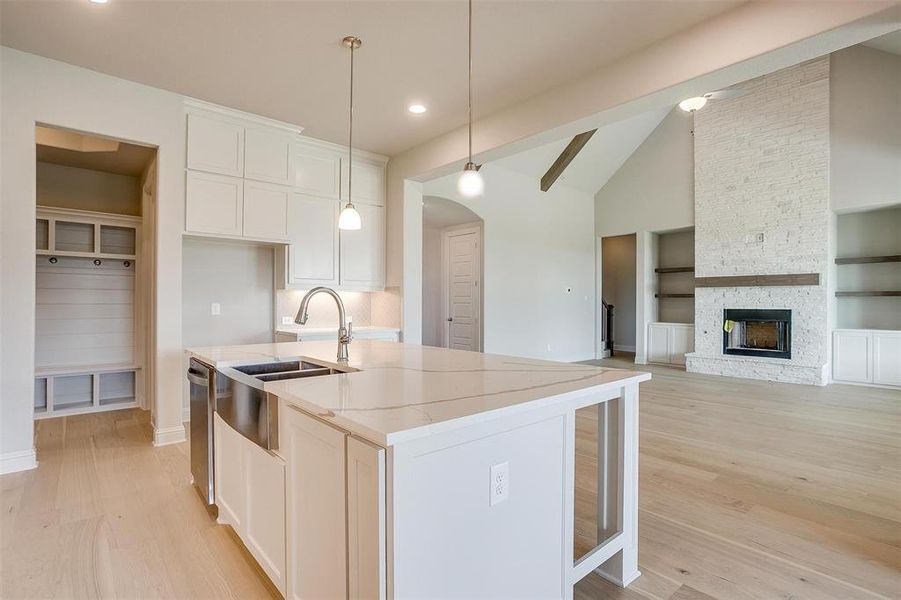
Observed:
{"x":749,"y":332}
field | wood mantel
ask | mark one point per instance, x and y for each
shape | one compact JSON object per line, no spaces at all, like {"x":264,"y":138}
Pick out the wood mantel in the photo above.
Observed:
{"x":759,"y":280}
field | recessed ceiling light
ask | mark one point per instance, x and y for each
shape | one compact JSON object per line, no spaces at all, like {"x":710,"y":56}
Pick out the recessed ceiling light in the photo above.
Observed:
{"x":417,"y":109}
{"x":99,"y":1}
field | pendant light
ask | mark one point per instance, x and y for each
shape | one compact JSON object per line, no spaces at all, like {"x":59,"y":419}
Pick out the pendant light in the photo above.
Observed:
{"x":470,"y":183}
{"x":349,"y":219}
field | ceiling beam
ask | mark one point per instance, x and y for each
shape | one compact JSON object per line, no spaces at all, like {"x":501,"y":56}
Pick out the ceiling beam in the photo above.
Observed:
{"x":566,"y":157}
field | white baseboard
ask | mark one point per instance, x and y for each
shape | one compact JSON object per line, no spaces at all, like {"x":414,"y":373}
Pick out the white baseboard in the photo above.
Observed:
{"x":22,"y":460}
{"x":169,"y":435}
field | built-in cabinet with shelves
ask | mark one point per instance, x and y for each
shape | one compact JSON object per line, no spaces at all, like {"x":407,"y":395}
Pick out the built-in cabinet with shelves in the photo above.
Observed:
{"x":253,"y":179}
{"x":668,"y":343}
{"x":867,"y":357}
{"x":87,"y":323}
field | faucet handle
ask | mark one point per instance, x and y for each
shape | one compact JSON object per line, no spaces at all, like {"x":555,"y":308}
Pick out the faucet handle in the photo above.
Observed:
{"x":350,"y":330}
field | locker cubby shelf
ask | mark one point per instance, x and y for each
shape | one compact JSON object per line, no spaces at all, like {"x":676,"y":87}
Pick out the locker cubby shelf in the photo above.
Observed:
{"x":78,"y":390}
{"x":79,"y":233}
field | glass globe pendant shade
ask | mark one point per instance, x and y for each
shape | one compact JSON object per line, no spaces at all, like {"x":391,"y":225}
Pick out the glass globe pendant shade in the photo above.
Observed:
{"x":349,"y":219}
{"x":470,"y":183}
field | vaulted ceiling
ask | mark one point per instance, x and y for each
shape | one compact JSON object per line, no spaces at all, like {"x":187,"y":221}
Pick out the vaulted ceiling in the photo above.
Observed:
{"x":284,"y":60}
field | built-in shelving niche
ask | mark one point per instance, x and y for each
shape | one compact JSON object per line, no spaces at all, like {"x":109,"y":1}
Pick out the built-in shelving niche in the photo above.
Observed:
{"x":675,"y":276}
{"x":67,"y":393}
{"x":868,"y":270}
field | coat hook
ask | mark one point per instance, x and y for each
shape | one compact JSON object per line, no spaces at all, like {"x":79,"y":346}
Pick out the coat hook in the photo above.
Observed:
{"x":53,"y":260}
{"x":127,"y":263}
{"x":98,"y":262}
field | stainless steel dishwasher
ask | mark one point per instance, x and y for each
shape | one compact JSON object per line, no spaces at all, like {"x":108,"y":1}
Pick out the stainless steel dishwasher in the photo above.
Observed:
{"x":202,"y":378}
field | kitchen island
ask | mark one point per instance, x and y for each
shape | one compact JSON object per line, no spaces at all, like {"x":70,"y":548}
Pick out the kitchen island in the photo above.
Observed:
{"x":426,"y":472}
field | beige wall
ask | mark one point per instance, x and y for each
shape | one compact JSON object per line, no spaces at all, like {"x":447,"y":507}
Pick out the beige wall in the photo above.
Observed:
{"x":37,"y":90}
{"x":85,"y":189}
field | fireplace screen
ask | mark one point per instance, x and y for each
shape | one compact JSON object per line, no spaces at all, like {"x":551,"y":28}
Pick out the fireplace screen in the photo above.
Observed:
{"x":757,"y":332}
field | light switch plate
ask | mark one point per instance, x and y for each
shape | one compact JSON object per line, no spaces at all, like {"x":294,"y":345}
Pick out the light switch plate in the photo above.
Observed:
{"x":287,"y":320}
{"x":215,"y":309}
{"x":500,"y":483}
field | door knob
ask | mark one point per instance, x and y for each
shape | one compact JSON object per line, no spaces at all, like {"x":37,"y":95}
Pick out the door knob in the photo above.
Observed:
{"x":449,"y":319}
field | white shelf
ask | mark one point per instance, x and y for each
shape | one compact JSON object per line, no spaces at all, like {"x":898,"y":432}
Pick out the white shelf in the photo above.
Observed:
{"x":85,"y":388}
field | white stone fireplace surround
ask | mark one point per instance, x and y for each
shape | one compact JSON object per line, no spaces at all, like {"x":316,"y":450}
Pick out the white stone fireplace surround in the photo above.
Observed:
{"x":762,"y":168}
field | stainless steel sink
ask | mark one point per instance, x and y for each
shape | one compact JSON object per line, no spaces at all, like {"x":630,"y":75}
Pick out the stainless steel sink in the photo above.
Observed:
{"x":290,"y":369}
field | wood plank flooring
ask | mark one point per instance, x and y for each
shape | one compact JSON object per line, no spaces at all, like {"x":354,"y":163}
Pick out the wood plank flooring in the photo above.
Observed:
{"x":748,"y":490}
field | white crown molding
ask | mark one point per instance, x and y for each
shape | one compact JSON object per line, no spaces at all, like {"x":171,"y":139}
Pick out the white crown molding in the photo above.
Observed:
{"x":87,"y":216}
{"x":362,"y":155}
{"x":169,"y":435}
{"x":195,"y":104}
{"x":22,"y":460}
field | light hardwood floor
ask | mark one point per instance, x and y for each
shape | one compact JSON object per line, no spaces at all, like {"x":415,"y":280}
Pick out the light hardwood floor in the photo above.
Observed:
{"x":748,"y":490}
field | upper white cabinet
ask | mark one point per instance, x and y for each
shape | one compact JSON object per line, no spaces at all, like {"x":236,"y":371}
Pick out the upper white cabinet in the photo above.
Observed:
{"x":868,"y":356}
{"x":215,"y":144}
{"x":316,"y":171}
{"x":368,"y":182}
{"x":266,"y":210}
{"x":214,"y":204}
{"x":268,"y":155}
{"x":313,"y":254}
{"x":363,"y":251}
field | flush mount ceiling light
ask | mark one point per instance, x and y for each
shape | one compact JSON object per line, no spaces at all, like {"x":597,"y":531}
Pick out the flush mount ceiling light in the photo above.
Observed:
{"x":693,"y":104}
{"x":470,"y":183}
{"x":417,"y":109}
{"x":99,"y":1}
{"x":349,"y":219}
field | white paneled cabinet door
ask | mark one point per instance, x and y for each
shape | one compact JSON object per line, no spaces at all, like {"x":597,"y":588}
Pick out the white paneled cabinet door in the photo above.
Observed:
{"x":366,"y":568}
{"x":215,"y":144}
{"x":316,"y":172}
{"x":266,"y":210}
{"x":369,"y":183}
{"x":267,"y":155}
{"x":681,"y":342}
{"x":363,"y":251}
{"x":658,"y":343}
{"x":887,"y":358}
{"x":313,"y":231}
{"x":264,"y":523}
{"x":214,"y":204}
{"x":229,"y":469}
{"x":317,"y":548}
{"x":852,"y":356}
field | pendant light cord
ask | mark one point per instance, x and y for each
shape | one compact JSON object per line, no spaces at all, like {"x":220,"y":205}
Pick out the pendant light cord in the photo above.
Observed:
{"x":350,"y":135}
{"x":470,"y":81}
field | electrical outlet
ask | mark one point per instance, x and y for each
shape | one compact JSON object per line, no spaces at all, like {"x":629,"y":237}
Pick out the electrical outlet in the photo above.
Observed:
{"x":215,"y":309}
{"x":500,"y":483}
{"x":287,"y":320}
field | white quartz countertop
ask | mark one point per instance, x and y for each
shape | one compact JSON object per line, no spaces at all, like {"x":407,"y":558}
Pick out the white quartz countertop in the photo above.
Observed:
{"x":294,"y":329}
{"x":407,"y":391}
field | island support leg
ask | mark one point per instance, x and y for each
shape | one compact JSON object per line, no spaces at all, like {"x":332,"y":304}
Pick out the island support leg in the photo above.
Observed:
{"x":618,"y":474}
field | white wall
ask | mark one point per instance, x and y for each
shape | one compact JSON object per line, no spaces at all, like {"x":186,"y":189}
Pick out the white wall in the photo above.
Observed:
{"x":618,"y":287}
{"x":37,"y":90}
{"x":536,"y":245}
{"x":865,"y":127}
{"x":86,"y":189}
{"x":432,"y":328}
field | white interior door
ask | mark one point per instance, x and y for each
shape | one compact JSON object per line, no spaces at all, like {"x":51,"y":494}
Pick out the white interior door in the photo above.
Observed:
{"x":462,"y":265}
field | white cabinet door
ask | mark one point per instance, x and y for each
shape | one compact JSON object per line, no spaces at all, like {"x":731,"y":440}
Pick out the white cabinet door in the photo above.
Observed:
{"x":264,"y":523}
{"x":366,"y":568}
{"x":266,"y":210}
{"x":213,"y":204}
{"x":887,"y":358}
{"x":315,"y":457}
{"x":316,"y":172}
{"x":231,"y":495}
{"x":852,"y":356}
{"x":313,"y":231}
{"x":658,"y":343}
{"x":369,"y":183}
{"x":215,"y":144}
{"x":267,"y":155}
{"x":681,"y":342}
{"x":363,"y":251}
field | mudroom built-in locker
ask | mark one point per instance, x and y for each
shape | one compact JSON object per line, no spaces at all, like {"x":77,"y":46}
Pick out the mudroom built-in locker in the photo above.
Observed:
{"x":93,"y":272}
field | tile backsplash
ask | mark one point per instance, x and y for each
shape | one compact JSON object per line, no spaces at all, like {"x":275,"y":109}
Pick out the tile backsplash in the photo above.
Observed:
{"x":380,"y":309}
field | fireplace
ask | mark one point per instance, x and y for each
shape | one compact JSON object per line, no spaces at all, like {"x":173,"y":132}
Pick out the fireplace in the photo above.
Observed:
{"x":748,"y":332}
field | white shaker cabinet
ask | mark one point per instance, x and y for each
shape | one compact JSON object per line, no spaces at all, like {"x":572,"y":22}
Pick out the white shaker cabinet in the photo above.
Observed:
{"x":668,"y":343}
{"x":368,"y":182}
{"x":312,"y":257}
{"x":268,"y":155}
{"x":366,"y":520}
{"x":363,"y":251}
{"x":316,"y":172}
{"x":867,"y":356}
{"x":214,"y":204}
{"x":266,"y":210}
{"x":215,"y":144}
{"x":250,"y":496}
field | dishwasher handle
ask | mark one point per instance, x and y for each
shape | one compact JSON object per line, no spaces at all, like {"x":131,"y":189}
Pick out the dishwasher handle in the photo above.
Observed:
{"x":198,"y":378}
